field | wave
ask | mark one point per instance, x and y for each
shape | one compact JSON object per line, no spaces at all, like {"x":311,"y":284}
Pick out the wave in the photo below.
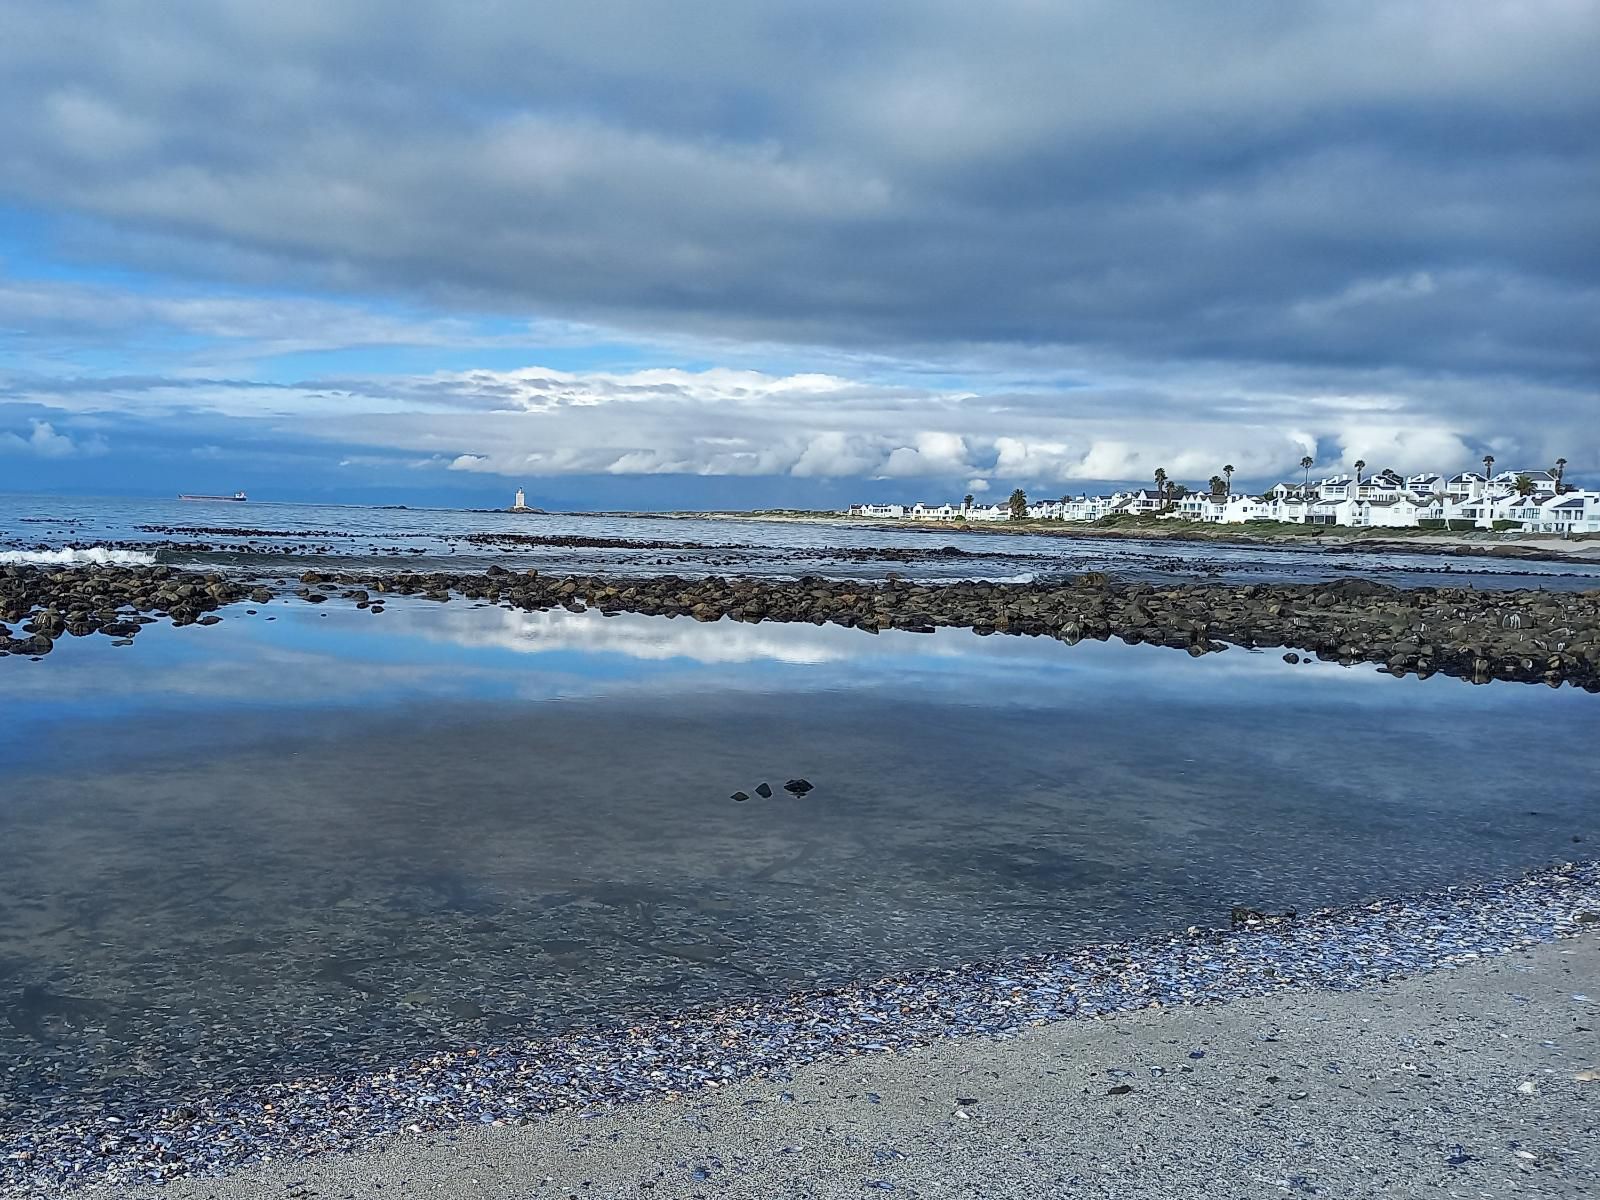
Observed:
{"x":100,"y":556}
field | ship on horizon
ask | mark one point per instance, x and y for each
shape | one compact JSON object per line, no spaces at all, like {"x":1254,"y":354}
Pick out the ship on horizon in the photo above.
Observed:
{"x":239,"y":496}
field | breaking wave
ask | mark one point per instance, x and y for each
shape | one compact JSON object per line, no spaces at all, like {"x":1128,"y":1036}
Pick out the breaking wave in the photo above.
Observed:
{"x":97,"y":555}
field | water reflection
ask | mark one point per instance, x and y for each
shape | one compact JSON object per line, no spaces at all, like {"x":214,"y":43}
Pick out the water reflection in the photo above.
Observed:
{"x":334,"y":838}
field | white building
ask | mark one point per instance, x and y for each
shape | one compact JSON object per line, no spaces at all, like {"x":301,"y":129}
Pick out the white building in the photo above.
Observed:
{"x":1570,"y":512}
{"x":1386,"y":500}
{"x":1424,"y":485}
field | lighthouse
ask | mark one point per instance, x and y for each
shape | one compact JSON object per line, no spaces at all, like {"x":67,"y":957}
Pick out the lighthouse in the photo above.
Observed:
{"x":521,"y":501}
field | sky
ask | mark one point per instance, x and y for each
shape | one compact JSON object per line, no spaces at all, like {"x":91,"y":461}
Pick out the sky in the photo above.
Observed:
{"x":638,"y":255}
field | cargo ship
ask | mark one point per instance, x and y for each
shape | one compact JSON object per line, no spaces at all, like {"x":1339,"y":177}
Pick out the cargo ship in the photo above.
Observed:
{"x":240,"y":496}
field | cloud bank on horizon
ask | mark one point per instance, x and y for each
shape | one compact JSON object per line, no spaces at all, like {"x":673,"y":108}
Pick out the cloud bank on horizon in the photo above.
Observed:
{"x":792,"y":247}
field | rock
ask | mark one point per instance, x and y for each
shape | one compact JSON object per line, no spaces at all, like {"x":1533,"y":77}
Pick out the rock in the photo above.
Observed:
{"x":764,"y":790}
{"x":741,"y":797}
{"x":798,"y":787}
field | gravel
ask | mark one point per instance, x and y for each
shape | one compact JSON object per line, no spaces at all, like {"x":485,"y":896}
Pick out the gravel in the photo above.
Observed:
{"x":1472,"y":1082}
{"x":675,"y":1059}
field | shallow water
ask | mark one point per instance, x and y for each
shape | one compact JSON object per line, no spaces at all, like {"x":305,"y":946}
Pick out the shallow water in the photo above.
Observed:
{"x":276,"y":538}
{"x":331,"y":838}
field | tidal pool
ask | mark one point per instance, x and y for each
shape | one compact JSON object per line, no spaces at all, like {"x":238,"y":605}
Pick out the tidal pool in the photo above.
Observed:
{"x":316,"y":838}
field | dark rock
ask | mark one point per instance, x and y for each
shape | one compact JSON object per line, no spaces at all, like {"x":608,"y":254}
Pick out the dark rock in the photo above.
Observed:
{"x":764,"y":790}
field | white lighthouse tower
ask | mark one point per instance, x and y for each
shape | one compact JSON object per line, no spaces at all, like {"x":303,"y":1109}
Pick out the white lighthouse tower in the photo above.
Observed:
{"x":522,"y":500}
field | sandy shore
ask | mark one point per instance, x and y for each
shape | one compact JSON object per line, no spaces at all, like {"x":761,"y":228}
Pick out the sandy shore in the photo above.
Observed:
{"x":1480,"y":1081}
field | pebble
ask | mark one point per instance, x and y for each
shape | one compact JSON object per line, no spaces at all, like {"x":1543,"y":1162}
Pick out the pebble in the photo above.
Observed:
{"x":686,"y":1053}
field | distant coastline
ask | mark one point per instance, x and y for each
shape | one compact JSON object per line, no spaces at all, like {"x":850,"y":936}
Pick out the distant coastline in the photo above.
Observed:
{"x":1482,"y":543}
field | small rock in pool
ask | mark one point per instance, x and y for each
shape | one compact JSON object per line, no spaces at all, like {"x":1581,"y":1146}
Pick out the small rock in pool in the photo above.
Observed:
{"x":764,"y":790}
{"x":1291,"y":658}
{"x":797,"y":787}
{"x":741,"y":797}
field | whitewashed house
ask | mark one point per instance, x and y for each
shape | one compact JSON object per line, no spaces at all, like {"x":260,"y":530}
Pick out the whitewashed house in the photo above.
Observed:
{"x":1465,"y":486}
{"x":890,"y":511}
{"x":1570,"y":512}
{"x":1340,"y":511}
{"x":1379,"y":487}
{"x":1335,"y":487}
{"x":1292,"y":509}
{"x":1236,"y":510}
{"x":1544,"y":482}
{"x":1424,"y":485}
{"x":1398,"y":512}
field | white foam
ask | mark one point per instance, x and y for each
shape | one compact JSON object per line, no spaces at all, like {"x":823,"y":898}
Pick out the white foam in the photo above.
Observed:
{"x":96,"y":555}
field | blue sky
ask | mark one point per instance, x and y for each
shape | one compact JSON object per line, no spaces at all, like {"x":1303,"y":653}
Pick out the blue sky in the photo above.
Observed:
{"x":790,"y":254}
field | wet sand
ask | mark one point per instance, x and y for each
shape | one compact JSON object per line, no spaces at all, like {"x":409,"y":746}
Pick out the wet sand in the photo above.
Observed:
{"x":1480,"y":1081}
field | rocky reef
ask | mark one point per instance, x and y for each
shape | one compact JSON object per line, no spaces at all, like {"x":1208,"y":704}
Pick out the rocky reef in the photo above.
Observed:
{"x":1526,"y":636}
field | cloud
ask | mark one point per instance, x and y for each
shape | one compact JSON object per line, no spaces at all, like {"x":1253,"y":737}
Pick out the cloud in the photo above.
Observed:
{"x":1358,"y":182}
{"x":1021,"y":242}
{"x":44,"y":441}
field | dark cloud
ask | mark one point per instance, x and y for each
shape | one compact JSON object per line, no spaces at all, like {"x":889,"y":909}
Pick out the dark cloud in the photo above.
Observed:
{"x":1370,"y":184}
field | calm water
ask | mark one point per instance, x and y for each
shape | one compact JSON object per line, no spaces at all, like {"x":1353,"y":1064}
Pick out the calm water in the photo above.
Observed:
{"x":333,"y":838}
{"x":262,"y":536}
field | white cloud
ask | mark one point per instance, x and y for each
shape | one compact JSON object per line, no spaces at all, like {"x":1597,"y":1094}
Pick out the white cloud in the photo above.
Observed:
{"x":44,"y":441}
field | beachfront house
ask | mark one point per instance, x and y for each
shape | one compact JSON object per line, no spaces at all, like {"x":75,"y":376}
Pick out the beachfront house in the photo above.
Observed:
{"x":1544,"y":482}
{"x":1292,"y":509}
{"x":1335,"y":487}
{"x":1340,"y":511}
{"x":1424,"y":485}
{"x":1236,"y":510}
{"x":1396,"y":512}
{"x":1570,"y":512}
{"x":1465,"y":486}
{"x":1380,"y":487}
{"x":880,"y":511}
{"x":1202,"y":506}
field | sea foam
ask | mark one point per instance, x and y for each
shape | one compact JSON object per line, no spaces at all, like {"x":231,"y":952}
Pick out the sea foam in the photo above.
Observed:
{"x":95,"y":555}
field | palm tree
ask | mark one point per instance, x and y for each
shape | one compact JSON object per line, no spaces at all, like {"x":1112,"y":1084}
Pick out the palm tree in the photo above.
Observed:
{"x":1018,"y":504}
{"x":1161,"y":479}
{"x":1228,"y":471}
{"x":1306,"y":464}
{"x":966,"y":502}
{"x":1524,"y":485}
{"x":1561,"y":469}
{"x":1361,"y":465}
{"x":1488,"y":466}
{"x":1219,"y":485}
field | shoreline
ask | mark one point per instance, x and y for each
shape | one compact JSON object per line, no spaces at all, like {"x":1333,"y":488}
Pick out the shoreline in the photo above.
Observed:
{"x":1479,"y":1080}
{"x":1342,"y":539}
{"x":695,"y":1053}
{"x":1517,"y":636}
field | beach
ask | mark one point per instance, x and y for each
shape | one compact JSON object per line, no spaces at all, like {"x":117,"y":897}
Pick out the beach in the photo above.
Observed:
{"x":1480,"y":1081}
{"x":379,"y":847}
